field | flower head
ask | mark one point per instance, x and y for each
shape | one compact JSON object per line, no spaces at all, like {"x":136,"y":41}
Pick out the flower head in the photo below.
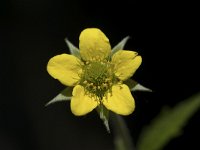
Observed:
{"x":98,"y":75}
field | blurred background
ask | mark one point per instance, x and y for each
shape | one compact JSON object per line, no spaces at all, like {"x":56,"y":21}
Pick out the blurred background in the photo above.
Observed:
{"x":33,"y":31}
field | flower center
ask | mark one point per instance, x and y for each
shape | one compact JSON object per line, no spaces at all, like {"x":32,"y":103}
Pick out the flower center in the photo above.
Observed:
{"x":98,"y":78}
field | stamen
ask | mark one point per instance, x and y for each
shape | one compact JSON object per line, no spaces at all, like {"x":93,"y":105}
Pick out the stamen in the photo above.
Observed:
{"x":98,"y":78}
{"x":85,"y":82}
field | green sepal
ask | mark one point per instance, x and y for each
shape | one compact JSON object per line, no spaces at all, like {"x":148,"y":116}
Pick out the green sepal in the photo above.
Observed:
{"x":168,"y":124}
{"x":135,"y":86}
{"x":73,"y":49}
{"x":120,"y":45}
{"x":64,"y":95}
{"x":104,"y":115}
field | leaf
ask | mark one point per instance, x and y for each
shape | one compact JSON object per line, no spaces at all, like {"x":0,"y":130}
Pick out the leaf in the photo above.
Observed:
{"x":65,"y":95}
{"x":73,"y":49}
{"x":135,"y":86}
{"x":168,"y":124}
{"x":104,"y":116}
{"x":120,"y":45}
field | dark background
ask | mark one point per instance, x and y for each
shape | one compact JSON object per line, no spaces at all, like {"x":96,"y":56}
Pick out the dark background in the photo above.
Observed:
{"x":33,"y":31}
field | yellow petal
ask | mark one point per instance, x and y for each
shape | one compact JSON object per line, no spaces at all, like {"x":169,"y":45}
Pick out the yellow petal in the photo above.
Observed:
{"x":81,"y":104}
{"x":93,"y":43}
{"x":126,"y":63}
{"x":66,"y":68}
{"x":120,"y":100}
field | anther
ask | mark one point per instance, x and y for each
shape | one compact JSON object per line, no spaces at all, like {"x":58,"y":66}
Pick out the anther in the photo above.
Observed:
{"x":94,"y":87}
{"x":85,"y":82}
{"x":105,"y":85}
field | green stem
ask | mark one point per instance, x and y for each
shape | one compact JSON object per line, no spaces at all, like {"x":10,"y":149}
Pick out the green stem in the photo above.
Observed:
{"x":122,"y":137}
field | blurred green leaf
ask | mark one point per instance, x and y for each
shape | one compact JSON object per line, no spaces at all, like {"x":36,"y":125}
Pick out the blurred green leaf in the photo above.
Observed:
{"x":73,"y":49}
{"x":135,"y":86}
{"x":120,"y":45}
{"x":168,"y":124}
{"x":64,"y":95}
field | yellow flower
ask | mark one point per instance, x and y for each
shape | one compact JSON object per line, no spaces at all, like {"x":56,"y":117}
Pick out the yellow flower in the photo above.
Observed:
{"x":98,"y":75}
